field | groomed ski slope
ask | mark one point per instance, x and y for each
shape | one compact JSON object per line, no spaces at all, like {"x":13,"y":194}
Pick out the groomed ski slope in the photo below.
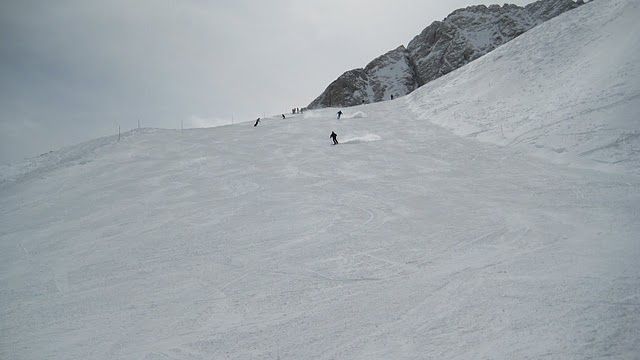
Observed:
{"x":407,"y":241}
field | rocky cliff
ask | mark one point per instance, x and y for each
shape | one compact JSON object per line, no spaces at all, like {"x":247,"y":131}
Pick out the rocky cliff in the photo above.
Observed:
{"x":389,"y":74}
{"x":463,"y":36}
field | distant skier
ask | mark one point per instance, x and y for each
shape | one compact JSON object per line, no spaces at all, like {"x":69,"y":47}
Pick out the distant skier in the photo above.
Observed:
{"x":339,"y":114}
{"x":334,"y":137}
{"x":257,"y":122}
{"x":391,"y":96}
{"x":284,"y":117}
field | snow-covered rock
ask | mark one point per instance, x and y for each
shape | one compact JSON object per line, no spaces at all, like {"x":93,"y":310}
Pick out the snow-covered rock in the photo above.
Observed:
{"x":389,"y":74}
{"x":469,"y":33}
{"x":465,"y":35}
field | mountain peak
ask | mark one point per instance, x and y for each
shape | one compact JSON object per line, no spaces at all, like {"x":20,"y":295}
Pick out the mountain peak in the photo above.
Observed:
{"x":463,"y":36}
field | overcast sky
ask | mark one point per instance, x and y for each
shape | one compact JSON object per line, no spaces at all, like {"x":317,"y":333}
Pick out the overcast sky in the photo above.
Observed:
{"x":72,"y":70}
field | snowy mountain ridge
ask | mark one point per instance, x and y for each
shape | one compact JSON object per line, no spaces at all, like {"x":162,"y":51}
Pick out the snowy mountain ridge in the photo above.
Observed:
{"x":463,"y":36}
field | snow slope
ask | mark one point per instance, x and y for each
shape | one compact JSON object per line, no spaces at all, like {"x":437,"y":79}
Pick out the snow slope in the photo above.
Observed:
{"x":406,"y":242}
{"x":589,"y":58}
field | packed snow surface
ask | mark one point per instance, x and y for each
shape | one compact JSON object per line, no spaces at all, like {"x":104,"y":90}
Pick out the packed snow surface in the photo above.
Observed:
{"x":360,"y":139}
{"x":412,"y":242}
{"x":354,"y":115}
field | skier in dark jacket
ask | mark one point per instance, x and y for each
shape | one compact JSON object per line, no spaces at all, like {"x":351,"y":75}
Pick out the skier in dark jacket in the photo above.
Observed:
{"x":339,"y":114}
{"x":334,"y":137}
{"x":283,"y":117}
{"x":257,"y":121}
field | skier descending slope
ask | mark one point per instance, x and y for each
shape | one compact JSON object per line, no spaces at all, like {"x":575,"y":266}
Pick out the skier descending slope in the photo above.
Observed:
{"x":257,"y":122}
{"x":334,"y":137}
{"x":339,"y":114}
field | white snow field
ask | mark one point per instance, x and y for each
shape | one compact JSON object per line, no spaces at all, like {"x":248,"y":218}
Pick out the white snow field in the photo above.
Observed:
{"x":408,"y":242}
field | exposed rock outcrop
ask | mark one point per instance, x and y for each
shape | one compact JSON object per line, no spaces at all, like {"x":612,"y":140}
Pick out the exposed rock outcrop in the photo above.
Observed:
{"x":389,"y":74}
{"x":463,"y":36}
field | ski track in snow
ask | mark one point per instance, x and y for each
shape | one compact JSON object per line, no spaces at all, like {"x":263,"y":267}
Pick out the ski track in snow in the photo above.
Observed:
{"x":411,"y":243}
